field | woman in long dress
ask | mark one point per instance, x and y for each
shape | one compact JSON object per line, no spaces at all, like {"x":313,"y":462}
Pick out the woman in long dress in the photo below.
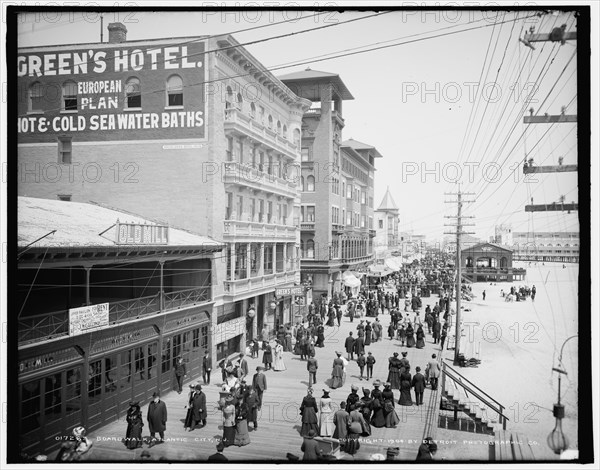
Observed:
{"x":420,"y":337}
{"x":337,"y":374}
{"x":133,"y":437}
{"x":355,"y":430}
{"x":394,"y":372}
{"x":267,"y":355}
{"x":326,"y":425}
{"x":278,"y":363}
{"x":405,"y":384}
{"x":365,"y":409}
{"x":242,"y":437}
{"x":378,"y":417}
{"x":308,"y":411}
{"x":389,"y":411}
{"x":410,"y":336}
{"x":368,"y":332}
{"x":229,"y":422}
{"x":189,"y":416}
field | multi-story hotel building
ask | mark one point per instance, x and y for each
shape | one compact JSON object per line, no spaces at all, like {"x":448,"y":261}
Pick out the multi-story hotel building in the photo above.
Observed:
{"x":560,"y":247}
{"x":337,"y":187}
{"x":190,"y":132}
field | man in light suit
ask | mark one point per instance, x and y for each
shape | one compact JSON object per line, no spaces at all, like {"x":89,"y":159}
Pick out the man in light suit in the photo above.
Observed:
{"x":433,"y":371}
{"x":259,"y":382}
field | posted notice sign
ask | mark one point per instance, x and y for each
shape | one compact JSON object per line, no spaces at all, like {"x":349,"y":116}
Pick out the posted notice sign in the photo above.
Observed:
{"x":84,"y":319}
{"x":285,"y":291}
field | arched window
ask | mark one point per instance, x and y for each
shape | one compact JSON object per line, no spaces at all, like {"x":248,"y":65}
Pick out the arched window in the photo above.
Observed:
{"x":69,"y":95}
{"x":302,"y":248}
{"x":239,"y":101}
{"x":270,"y":122}
{"x":310,"y":248}
{"x":252,"y":110}
{"x":296,"y":136}
{"x":133,"y":93}
{"x":174,"y":91}
{"x":310,"y":183}
{"x":35,"y":97}
{"x":285,"y":132}
{"x":302,"y":183}
{"x":279,"y":127}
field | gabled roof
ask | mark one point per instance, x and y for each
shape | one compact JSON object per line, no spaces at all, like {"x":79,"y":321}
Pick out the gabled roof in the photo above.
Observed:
{"x":387,"y":204}
{"x":479,"y":245}
{"x":79,"y":224}
{"x":317,"y":76}
{"x":356,"y":145}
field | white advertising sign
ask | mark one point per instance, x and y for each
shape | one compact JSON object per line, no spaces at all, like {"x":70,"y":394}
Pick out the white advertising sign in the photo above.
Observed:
{"x":84,"y":319}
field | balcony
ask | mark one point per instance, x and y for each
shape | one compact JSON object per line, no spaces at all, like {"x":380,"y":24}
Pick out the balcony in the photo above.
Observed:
{"x":238,"y":229}
{"x":246,"y":176}
{"x":337,"y":228}
{"x":307,"y":226}
{"x":372,"y":233}
{"x":243,"y":125}
{"x":317,"y":112}
{"x":253,"y":284}
{"x":52,"y":325}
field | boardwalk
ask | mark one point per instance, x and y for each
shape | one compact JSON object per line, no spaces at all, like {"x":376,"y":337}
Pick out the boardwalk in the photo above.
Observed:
{"x":279,"y":421}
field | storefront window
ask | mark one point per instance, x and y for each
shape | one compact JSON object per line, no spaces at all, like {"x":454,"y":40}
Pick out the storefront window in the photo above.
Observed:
{"x":73,"y":391}
{"x":226,"y":348}
{"x":166,"y":355}
{"x":151,"y":361}
{"x":52,"y":398}
{"x":110,"y":384}
{"x":30,"y":406}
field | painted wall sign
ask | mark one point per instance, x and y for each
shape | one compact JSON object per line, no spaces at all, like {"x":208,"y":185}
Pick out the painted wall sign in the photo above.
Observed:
{"x":141,"y":234}
{"x":229,"y":329}
{"x":283,"y":291}
{"x":121,"y":339}
{"x":125,"y":92}
{"x":84,"y":319}
{"x":47,"y":360}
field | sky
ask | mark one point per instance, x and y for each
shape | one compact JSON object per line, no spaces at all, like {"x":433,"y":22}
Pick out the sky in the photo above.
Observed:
{"x":441,"y":110}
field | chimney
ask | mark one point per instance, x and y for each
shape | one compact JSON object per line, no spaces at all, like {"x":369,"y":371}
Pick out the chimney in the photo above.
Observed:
{"x":117,"y":32}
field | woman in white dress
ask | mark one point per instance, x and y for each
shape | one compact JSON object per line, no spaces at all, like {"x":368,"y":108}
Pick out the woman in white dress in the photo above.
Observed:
{"x":326,"y":424}
{"x":278,"y":363}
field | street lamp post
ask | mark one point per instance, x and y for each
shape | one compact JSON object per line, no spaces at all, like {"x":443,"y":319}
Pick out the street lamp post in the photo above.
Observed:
{"x":556,"y":440}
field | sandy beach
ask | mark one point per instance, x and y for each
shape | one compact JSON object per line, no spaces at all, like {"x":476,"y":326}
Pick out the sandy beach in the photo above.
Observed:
{"x":518,"y":345}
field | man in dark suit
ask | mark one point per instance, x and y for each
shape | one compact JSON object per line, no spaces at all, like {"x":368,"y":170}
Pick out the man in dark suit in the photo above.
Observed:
{"x":157,"y":418}
{"x":218,"y":457}
{"x":349,"y":344}
{"x":311,"y":366}
{"x":206,"y":367}
{"x":259,"y":382}
{"x":310,"y":447}
{"x":242,"y":367}
{"x":199,"y":411}
{"x":418,"y":383}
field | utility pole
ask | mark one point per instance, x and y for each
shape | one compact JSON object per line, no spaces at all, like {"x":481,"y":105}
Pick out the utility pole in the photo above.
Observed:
{"x":101,"y":27}
{"x":459,"y":232}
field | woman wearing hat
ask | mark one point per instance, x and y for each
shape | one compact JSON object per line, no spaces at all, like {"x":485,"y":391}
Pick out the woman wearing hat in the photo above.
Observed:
{"x":420,"y":337}
{"x":410,"y":336}
{"x":133,"y":436}
{"x":308,"y":411}
{"x":368,"y":333}
{"x":405,"y":386}
{"x":242,"y":437}
{"x":326,"y":426}
{"x":229,"y":422}
{"x":389,"y":411}
{"x":189,"y":416}
{"x":278,"y":364}
{"x":267,"y":355}
{"x":394,"y":371}
{"x":337,"y":374}
{"x":378,"y":417}
{"x":355,"y":430}
{"x":366,"y":405}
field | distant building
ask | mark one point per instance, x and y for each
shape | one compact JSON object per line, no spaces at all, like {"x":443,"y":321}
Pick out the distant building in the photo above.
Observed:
{"x":386,"y":227}
{"x":562,"y":247}
{"x":489,"y":262}
{"x":337,"y":178}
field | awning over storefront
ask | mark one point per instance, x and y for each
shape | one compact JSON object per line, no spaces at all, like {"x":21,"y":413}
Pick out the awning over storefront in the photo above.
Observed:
{"x":392,"y":264}
{"x":350,"y":280}
{"x":379,"y":270}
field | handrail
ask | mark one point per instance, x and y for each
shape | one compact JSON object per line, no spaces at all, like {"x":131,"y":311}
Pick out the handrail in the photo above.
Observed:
{"x":476,"y":395}
{"x":471,"y":383}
